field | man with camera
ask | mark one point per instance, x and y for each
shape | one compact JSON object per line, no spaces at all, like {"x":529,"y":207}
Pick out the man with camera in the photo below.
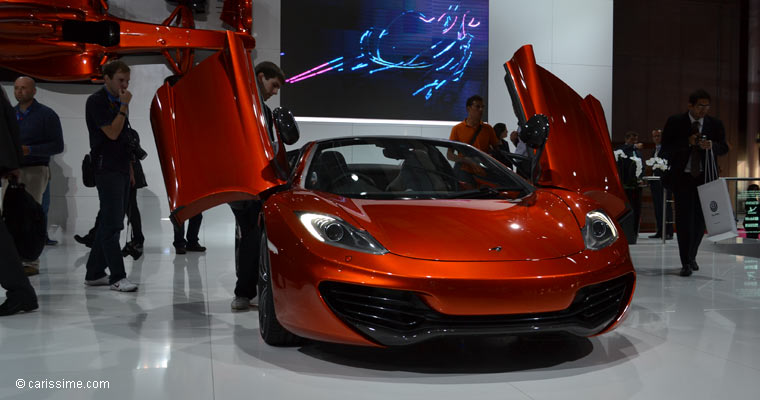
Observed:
{"x":106,"y":116}
{"x":685,"y":141}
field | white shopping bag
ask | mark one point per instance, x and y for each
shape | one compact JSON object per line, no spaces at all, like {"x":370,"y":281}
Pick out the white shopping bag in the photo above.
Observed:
{"x":716,"y":204}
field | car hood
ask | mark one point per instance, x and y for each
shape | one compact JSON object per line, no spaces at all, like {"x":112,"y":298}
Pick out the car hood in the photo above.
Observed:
{"x":540,"y":226}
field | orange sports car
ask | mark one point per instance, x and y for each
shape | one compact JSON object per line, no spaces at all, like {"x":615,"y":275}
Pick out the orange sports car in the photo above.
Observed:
{"x":391,"y":240}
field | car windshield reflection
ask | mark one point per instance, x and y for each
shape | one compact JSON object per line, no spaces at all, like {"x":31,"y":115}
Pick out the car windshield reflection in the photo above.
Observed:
{"x":404,"y":168}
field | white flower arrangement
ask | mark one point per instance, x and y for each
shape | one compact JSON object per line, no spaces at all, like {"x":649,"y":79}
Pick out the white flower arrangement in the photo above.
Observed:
{"x":658,"y":163}
{"x":619,"y":154}
{"x":639,"y":166}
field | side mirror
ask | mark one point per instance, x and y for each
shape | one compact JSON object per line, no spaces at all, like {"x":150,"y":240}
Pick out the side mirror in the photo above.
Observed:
{"x":286,"y":125}
{"x":535,"y":132}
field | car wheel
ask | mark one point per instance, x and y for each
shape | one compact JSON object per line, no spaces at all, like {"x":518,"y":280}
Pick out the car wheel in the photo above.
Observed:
{"x":271,"y":331}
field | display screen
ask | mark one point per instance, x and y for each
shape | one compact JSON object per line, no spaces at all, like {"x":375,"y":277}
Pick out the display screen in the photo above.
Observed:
{"x":389,"y":59}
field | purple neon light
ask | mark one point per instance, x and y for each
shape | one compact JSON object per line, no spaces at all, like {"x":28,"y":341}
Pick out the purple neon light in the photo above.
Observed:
{"x":473,"y":26}
{"x":428,"y":20}
{"x":291,"y":80}
{"x":316,"y":73}
{"x":441,"y":17}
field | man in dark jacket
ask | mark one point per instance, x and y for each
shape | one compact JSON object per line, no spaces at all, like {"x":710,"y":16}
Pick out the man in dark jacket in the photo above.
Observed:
{"x":685,"y":141}
{"x":20,"y":295}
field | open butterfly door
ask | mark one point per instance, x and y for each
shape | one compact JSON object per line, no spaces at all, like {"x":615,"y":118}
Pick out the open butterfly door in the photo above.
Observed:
{"x":578,"y":154}
{"x":212,"y":136}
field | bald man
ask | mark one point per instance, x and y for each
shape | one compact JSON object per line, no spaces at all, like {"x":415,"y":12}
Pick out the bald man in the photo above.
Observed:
{"x":41,"y":137}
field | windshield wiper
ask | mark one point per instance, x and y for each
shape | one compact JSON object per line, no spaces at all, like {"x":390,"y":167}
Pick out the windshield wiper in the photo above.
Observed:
{"x":487,"y":191}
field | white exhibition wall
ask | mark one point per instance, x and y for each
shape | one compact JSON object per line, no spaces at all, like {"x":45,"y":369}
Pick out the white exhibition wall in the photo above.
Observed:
{"x":573,"y":39}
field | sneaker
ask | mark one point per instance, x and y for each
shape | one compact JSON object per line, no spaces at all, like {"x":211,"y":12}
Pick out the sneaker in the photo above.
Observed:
{"x":240,"y":303}
{"x":97,"y":282}
{"x":195,"y":247}
{"x":124,"y":286}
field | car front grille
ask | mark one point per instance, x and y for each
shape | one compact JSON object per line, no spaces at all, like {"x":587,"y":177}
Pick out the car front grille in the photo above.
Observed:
{"x":397,"y":317}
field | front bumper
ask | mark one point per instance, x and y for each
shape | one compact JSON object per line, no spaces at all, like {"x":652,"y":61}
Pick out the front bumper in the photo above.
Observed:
{"x":396,"y":317}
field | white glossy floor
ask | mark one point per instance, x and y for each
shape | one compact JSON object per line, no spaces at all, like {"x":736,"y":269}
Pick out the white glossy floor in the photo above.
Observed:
{"x":686,"y":338}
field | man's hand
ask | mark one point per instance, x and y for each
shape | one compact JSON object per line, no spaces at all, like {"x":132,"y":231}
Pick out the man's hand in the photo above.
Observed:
{"x":125,"y":96}
{"x":693,"y":140}
{"x":26,"y":150}
{"x":639,"y":145}
{"x":705,"y":144}
{"x":14,"y":173}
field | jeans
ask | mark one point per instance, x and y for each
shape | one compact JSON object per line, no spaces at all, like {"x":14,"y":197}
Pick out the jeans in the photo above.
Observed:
{"x":113,"y":188}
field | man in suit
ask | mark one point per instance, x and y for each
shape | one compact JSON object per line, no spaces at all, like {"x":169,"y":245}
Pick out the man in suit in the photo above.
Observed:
{"x":685,"y":141}
{"x":629,"y":177}
{"x":657,"y":192}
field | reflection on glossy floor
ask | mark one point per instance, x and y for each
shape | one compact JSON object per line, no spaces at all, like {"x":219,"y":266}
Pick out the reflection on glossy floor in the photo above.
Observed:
{"x":686,"y":338}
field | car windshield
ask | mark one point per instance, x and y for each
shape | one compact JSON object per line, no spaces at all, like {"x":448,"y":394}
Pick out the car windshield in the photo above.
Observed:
{"x":406,"y":168}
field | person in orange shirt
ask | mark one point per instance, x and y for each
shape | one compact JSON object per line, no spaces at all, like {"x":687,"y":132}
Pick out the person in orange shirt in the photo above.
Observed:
{"x":465,"y":131}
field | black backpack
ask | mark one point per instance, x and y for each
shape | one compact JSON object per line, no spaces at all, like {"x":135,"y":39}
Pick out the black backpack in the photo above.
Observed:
{"x":25,"y":221}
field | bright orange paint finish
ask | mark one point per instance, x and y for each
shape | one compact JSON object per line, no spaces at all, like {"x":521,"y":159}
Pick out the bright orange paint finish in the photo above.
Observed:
{"x":32,"y":38}
{"x":222,"y":153}
{"x":578,"y":155}
{"x":497,"y":287}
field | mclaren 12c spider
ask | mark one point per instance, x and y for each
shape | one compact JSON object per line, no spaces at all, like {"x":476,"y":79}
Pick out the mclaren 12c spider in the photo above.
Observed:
{"x":390,"y":241}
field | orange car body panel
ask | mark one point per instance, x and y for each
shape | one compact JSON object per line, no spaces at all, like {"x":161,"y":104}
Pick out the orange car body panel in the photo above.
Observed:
{"x":32,"y":38}
{"x":222,"y":153}
{"x":578,"y":154}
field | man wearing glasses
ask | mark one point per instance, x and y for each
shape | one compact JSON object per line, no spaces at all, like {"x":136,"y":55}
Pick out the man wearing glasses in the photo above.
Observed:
{"x":685,"y":139}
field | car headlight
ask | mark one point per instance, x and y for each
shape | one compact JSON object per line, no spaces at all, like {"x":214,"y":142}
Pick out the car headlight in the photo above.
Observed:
{"x":599,"y":231}
{"x":336,"y":232}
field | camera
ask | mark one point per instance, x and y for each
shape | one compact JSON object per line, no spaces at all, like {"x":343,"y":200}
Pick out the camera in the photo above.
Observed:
{"x":132,"y":249}
{"x":133,"y":143}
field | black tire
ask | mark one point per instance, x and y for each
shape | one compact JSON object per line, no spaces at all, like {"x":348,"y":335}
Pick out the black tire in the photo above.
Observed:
{"x":271,"y":331}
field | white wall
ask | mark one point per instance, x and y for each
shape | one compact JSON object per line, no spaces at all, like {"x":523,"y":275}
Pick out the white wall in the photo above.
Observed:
{"x":573,"y":39}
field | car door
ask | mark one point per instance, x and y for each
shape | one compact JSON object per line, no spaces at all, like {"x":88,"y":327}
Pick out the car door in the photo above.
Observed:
{"x":212,"y":136}
{"x":578,"y":155}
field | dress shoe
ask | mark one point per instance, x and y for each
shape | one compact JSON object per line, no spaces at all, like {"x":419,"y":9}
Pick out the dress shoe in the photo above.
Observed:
{"x":195,"y":247}
{"x":694,"y":266}
{"x":685,"y":271}
{"x":180,"y":249}
{"x":10,"y":307}
{"x":669,"y":237}
{"x":85,"y":240}
{"x":655,"y":236}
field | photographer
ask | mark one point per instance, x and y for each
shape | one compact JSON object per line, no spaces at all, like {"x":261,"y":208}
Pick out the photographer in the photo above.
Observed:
{"x":107,"y":123}
{"x":134,"y":247}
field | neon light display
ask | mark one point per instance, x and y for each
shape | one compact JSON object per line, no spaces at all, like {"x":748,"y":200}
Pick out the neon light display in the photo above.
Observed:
{"x":391,"y":62}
